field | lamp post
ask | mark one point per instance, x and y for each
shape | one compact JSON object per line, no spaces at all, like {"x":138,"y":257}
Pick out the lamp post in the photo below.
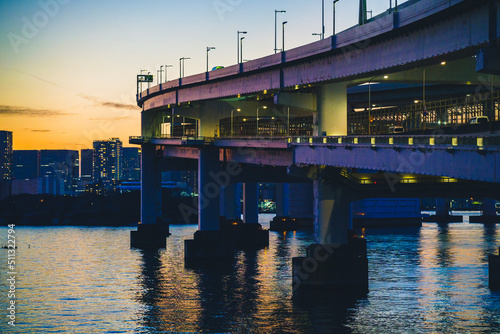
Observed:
{"x":161,"y":71}
{"x":283,"y":37}
{"x":261,"y":107}
{"x":323,"y":19}
{"x":238,"y":45}
{"x":275,"y":27}
{"x":181,"y":66}
{"x":208,"y":49}
{"x":232,"y":111}
{"x":166,"y":66}
{"x":370,"y":102}
{"x":334,"y":2}
{"x":241,"y":48}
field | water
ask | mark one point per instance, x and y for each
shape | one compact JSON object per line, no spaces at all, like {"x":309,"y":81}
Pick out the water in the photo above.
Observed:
{"x":88,"y":280}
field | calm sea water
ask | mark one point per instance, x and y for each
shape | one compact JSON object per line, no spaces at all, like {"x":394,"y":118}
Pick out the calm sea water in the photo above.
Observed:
{"x":88,"y":280}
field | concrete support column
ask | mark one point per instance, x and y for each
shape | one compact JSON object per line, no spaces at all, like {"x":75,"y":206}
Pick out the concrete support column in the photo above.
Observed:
{"x":489,"y":207}
{"x":250,"y":203}
{"x":332,"y":109}
{"x":282,"y":199}
{"x":208,"y":190}
{"x":150,"y":186}
{"x":332,"y":213}
{"x":230,"y":203}
{"x":442,"y":207}
{"x":151,"y":233}
{"x":494,"y":272}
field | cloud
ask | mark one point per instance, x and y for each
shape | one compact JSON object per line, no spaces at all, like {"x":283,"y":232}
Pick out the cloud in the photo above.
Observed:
{"x":119,"y":118}
{"x":30,"y":112}
{"x":109,"y":104}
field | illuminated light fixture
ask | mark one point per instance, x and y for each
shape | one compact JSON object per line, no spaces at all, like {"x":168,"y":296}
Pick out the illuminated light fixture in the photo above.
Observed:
{"x":296,"y":86}
{"x":386,"y":76}
{"x":265,"y":91}
{"x":416,"y":101}
{"x":443,"y":63}
{"x":244,"y":119}
{"x":239,"y":95}
{"x":272,"y":117}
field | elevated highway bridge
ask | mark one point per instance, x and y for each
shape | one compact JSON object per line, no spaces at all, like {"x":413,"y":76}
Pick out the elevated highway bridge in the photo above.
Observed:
{"x":427,"y":41}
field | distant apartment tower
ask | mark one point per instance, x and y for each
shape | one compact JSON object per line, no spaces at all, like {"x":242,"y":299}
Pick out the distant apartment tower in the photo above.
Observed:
{"x":59,"y":171}
{"x":5,"y":163}
{"x":5,"y":155}
{"x":86,"y":165}
{"x":26,"y":164}
{"x":107,"y":162}
{"x":131,"y":170}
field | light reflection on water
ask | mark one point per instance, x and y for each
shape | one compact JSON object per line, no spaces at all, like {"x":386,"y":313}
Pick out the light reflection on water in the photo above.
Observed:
{"x":88,"y":280}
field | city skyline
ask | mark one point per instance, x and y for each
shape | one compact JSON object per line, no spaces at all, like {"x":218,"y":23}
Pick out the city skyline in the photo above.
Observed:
{"x":68,"y":69}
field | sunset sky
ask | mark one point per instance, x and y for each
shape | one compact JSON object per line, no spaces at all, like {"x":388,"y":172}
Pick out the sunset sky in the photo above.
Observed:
{"x":68,"y":67}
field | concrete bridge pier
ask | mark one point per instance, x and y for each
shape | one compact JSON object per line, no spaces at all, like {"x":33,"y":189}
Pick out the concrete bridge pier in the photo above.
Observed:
{"x":230,"y":202}
{"x":209,"y":242}
{"x":494,"y":272}
{"x":152,"y":231}
{"x":489,"y":215}
{"x":293,"y":207}
{"x":336,"y":264}
{"x":442,"y":215}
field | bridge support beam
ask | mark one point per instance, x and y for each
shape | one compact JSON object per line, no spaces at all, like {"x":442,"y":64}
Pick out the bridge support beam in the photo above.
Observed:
{"x":151,"y":232}
{"x":332,"y":110}
{"x":337,"y":264}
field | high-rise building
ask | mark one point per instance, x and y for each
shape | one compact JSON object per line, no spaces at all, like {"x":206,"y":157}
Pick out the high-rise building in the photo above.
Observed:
{"x":5,"y":163}
{"x":59,"y":171}
{"x":107,"y":162}
{"x":131,"y":170}
{"x":5,"y":156}
{"x":86,"y":165}
{"x":26,"y":164}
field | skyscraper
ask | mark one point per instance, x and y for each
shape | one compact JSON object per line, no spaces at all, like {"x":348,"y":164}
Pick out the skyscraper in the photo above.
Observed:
{"x":107,"y":162}
{"x":86,"y":165}
{"x":5,"y":155}
{"x":5,"y":163}
{"x":131,"y":164}
{"x":26,"y":164}
{"x":59,"y":171}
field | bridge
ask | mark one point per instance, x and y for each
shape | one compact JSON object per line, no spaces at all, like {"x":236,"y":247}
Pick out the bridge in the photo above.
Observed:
{"x":284,"y":118}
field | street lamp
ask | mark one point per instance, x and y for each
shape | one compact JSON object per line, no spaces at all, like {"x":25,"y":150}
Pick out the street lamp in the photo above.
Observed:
{"x":208,"y":49}
{"x":275,"y":27}
{"x":323,"y":19}
{"x":166,"y":66}
{"x":161,"y":71}
{"x":261,"y":107}
{"x":181,"y":66}
{"x":238,"y":109}
{"x":283,"y":37}
{"x":238,"y":45}
{"x":316,"y":34}
{"x":334,"y":2}
{"x":370,"y":102}
{"x":241,"y":48}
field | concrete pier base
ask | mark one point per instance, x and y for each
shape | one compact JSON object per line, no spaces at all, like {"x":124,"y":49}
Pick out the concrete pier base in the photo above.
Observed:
{"x":245,"y":236}
{"x":494,"y":272}
{"x":207,"y":247}
{"x":149,"y":236}
{"x":331,"y":270}
{"x":285,"y":223}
